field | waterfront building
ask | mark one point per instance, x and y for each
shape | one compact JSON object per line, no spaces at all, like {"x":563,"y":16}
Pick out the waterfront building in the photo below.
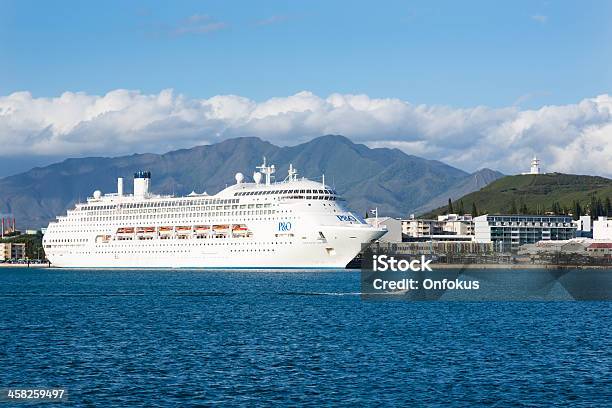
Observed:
{"x":571,"y":246}
{"x":393,"y":225}
{"x":602,"y":229}
{"x":603,"y":249}
{"x":455,"y":224}
{"x":448,"y":227}
{"x":12,"y":250}
{"x":418,"y":228}
{"x":583,"y":226}
{"x":508,"y":232}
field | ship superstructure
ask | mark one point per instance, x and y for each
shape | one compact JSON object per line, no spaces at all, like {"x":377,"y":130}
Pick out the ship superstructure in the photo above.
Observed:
{"x":295,"y":223}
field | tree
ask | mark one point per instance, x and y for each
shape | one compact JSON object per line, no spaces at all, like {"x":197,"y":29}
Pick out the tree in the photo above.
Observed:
{"x":524,"y":209}
{"x":461,"y":209}
{"x":474,"y":210}
{"x":593,"y":207}
{"x":513,"y":209}
{"x":600,"y":208}
{"x":597,"y":208}
{"x":608,"y":207}
{"x":556,"y":208}
{"x":450,"y":206}
{"x":577,"y":210}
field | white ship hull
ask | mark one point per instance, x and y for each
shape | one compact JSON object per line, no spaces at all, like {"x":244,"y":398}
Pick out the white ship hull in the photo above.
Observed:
{"x":291,"y":224}
{"x":336,"y":252}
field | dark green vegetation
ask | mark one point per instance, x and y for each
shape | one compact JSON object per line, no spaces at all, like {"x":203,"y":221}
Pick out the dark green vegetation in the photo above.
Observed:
{"x":538,"y":194}
{"x":33,"y":243}
{"x":397,"y":183}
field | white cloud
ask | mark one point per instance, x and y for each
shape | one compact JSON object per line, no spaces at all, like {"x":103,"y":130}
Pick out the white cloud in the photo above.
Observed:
{"x":568,"y":138}
{"x":540,"y":18}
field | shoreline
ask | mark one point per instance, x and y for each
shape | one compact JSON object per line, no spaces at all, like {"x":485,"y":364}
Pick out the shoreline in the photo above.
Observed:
{"x":517,"y":266}
{"x":17,"y":265}
{"x":434,"y":266}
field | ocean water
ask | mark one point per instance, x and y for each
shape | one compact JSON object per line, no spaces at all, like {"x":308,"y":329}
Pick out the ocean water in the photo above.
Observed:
{"x":197,"y":338}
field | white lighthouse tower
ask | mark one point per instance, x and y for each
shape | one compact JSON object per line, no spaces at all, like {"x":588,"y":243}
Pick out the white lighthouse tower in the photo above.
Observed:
{"x":535,"y":166}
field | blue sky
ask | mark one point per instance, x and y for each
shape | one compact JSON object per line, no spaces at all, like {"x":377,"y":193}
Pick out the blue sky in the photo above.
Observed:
{"x":460,"y":54}
{"x":473,"y":84}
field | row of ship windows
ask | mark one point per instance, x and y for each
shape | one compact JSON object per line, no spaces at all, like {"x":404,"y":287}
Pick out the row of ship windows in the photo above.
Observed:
{"x":152,"y":204}
{"x":185,"y":203}
{"x":184,"y":210}
{"x":165,"y":216}
{"x":159,"y":252}
{"x":259,"y":244}
{"x":167,"y":252}
{"x":182,"y":243}
{"x":267,"y":192}
{"x":225,"y":220}
{"x":176,"y":210}
{"x":68,"y":221}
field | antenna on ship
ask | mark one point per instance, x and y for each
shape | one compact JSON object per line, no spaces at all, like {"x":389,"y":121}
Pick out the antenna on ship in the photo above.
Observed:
{"x":323,"y":181}
{"x":267,"y":171}
{"x":292,"y":173}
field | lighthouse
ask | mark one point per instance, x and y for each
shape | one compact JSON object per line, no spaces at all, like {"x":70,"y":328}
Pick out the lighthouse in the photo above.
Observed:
{"x":535,"y":166}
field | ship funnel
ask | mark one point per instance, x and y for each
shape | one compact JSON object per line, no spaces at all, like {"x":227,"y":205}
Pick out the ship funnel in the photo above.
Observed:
{"x":120,"y":186}
{"x":142,"y":180}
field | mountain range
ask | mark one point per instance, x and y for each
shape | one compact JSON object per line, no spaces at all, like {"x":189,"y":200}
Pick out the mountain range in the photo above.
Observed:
{"x":396,"y":183}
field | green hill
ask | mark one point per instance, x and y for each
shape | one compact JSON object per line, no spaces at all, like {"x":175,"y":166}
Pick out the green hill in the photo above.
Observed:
{"x":538,"y":194}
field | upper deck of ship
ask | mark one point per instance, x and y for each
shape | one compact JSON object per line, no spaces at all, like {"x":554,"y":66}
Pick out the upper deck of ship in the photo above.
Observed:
{"x":263,"y":184}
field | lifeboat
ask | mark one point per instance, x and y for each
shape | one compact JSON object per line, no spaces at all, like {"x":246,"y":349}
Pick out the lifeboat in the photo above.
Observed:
{"x":165,"y":229}
{"x":240,"y":230}
{"x":125,"y":230}
{"x":223,"y":227}
{"x":183,"y":228}
{"x":202,"y":227}
{"x":103,"y":238}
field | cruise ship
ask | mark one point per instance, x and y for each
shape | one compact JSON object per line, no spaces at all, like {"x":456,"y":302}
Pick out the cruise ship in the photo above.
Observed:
{"x":263,"y":224}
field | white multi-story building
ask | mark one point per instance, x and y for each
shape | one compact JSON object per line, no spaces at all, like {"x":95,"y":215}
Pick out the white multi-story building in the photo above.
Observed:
{"x":418,"y":228}
{"x":583,"y":226}
{"x":296,"y":223}
{"x":455,"y":224}
{"x":508,"y":232}
{"x":602,"y":229}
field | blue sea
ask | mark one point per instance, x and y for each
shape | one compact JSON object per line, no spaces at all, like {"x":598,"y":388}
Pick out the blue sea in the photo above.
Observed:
{"x":167,"y":338}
